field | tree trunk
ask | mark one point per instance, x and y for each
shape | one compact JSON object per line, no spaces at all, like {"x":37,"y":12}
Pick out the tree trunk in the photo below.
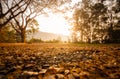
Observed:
{"x":0,"y":29}
{"x":23,"y":36}
{"x":81,"y":38}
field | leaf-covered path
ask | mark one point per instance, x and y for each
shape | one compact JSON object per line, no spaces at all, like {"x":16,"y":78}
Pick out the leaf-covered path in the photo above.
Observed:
{"x":59,"y":61}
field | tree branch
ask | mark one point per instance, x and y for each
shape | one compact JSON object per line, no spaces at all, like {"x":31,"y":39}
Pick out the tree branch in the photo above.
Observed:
{"x":11,"y":10}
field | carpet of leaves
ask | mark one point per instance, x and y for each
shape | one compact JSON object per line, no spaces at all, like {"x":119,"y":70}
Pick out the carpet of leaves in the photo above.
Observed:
{"x":59,"y":61}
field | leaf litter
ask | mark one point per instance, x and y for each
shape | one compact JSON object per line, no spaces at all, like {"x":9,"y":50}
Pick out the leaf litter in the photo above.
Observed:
{"x":59,"y":61}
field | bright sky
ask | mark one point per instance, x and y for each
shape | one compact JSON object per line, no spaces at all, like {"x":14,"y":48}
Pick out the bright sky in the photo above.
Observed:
{"x":55,"y":23}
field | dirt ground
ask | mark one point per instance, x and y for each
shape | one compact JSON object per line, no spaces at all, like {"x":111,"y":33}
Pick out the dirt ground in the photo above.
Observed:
{"x":59,"y":61}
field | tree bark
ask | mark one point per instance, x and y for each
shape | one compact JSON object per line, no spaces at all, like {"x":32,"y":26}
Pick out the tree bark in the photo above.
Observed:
{"x":23,"y":36}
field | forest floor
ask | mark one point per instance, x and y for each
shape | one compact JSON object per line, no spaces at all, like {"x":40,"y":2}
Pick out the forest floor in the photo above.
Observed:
{"x":59,"y":61}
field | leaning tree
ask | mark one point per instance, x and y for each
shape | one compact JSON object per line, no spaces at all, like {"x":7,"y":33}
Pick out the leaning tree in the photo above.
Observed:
{"x":35,"y":8}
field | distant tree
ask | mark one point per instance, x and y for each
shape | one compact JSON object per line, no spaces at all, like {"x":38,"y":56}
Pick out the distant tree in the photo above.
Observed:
{"x":59,"y":39}
{"x":81,"y":21}
{"x":22,"y":30}
{"x":7,"y":34}
{"x":33,"y":40}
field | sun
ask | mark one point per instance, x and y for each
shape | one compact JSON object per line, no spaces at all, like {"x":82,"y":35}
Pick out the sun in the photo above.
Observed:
{"x":54,"y":23}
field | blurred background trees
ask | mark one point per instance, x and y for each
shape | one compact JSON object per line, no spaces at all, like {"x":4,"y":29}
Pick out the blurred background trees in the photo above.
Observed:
{"x":97,"y":21}
{"x":93,"y":21}
{"x":7,"y":34}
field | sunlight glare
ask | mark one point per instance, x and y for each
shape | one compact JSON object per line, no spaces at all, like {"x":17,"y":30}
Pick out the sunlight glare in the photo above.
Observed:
{"x":54,"y":23}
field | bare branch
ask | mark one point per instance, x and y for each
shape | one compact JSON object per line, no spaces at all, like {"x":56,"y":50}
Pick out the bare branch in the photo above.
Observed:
{"x":14,"y":9}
